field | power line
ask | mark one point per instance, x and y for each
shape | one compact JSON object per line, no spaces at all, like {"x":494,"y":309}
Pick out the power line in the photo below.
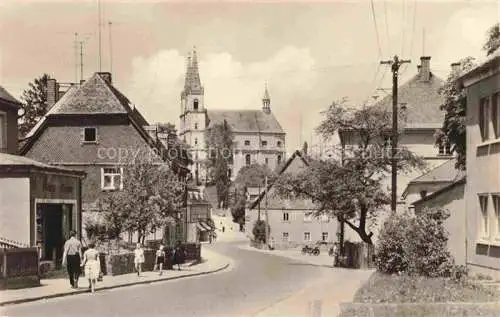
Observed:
{"x":376,"y":29}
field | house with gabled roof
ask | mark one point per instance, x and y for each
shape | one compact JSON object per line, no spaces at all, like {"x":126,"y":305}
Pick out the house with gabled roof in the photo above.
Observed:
{"x":39,"y":203}
{"x":258,"y":136}
{"x":93,"y":127}
{"x":293,"y":222}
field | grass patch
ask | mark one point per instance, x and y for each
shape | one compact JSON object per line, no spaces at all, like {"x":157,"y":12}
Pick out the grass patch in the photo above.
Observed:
{"x":382,"y":288}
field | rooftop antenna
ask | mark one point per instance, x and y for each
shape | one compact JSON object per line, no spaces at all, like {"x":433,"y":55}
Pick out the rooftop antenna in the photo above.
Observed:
{"x":99,"y":23}
{"x":423,"y":42}
{"x":76,"y":57}
{"x":110,"y":49}
{"x":81,"y":60}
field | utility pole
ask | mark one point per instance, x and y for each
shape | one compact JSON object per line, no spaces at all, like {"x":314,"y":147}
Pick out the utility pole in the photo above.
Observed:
{"x":110,"y":49}
{"x":76,"y":58}
{"x":395,"y":64}
{"x":81,"y":60}
{"x":258,"y":215}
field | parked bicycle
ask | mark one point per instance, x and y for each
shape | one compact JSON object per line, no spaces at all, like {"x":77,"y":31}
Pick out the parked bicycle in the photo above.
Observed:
{"x":310,"y":250}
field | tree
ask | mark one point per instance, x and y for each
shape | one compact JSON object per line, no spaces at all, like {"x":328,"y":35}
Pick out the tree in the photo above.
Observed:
{"x":493,"y":39}
{"x":253,"y":175}
{"x":259,"y":231}
{"x":219,"y":144}
{"x":453,"y":130}
{"x":150,"y":199}
{"x":353,"y":189}
{"x":34,"y":104}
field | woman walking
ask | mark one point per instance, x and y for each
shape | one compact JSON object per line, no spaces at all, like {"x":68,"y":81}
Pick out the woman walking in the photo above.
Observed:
{"x":92,"y":265}
{"x":138,"y":258}
{"x":160,"y":259}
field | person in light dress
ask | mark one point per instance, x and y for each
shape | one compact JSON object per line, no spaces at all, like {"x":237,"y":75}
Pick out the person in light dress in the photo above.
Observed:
{"x":92,"y":265}
{"x":138,"y":258}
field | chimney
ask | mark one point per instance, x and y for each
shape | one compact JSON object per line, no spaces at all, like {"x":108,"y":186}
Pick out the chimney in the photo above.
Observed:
{"x":106,"y":76}
{"x":455,"y":67}
{"x":52,"y":92}
{"x":425,"y":70}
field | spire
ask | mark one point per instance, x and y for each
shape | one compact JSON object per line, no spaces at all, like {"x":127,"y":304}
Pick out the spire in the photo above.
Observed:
{"x":266,"y":101}
{"x":188,"y":71}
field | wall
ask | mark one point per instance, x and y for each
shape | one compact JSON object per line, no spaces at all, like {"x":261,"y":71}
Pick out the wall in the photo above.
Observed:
{"x":414,"y":190}
{"x":296,"y":226}
{"x":483,"y":170}
{"x":12,"y":131}
{"x":15,"y":209}
{"x":453,"y":200}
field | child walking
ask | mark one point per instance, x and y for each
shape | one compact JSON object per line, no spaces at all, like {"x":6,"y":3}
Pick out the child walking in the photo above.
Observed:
{"x":92,"y":265}
{"x":138,"y":258}
{"x":160,"y":258}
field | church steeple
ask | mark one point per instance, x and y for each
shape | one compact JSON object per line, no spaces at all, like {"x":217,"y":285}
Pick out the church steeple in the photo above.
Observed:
{"x":192,"y":82}
{"x":266,"y":101}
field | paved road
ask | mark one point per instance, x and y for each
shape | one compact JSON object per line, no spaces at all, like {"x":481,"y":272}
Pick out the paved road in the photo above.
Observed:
{"x":256,"y":282}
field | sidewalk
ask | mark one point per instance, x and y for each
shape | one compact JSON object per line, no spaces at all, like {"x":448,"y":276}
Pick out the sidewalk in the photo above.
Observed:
{"x":213,"y":262}
{"x":320,"y":260}
{"x":321,"y":299}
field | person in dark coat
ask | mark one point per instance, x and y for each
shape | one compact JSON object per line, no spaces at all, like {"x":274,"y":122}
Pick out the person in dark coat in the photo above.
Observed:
{"x":179,"y":255}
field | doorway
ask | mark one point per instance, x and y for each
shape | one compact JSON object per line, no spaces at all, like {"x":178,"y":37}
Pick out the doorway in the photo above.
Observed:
{"x":54,"y":221}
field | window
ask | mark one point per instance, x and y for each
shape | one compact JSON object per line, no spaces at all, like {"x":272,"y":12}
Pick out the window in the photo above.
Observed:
{"x":495,"y":114}
{"x":89,"y":134}
{"x":278,"y":144}
{"x":248,"y":159}
{"x":285,"y":236}
{"x":195,"y":141}
{"x":308,"y":217}
{"x":496,"y":207}
{"x":111,"y":178}
{"x":264,"y":143}
{"x":3,"y":131}
{"x":247,"y":142}
{"x":195,"y":104}
{"x":307,"y":236}
{"x":423,"y":193}
{"x":286,"y":216}
{"x":324,"y":236}
{"x":266,"y":160}
{"x":325,"y":218}
{"x":484,"y":225}
{"x":196,"y":126}
{"x":279,"y":159}
{"x":484,"y":118}
{"x":445,"y":149}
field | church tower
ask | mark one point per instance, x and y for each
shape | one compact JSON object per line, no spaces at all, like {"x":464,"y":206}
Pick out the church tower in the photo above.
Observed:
{"x":266,"y":102}
{"x":193,"y":118}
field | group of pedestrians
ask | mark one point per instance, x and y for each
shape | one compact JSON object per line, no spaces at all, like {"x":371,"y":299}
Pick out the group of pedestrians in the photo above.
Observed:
{"x":74,"y":260}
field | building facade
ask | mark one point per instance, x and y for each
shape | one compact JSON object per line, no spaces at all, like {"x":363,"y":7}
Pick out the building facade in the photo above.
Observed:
{"x":258,"y":136}
{"x":293,"y":222}
{"x":40,"y":203}
{"x":482,"y":193}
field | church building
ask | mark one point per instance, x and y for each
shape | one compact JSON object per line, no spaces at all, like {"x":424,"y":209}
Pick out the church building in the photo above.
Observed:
{"x":258,"y":136}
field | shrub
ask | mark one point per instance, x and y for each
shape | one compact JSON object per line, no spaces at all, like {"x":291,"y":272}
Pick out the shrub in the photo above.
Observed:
{"x":416,"y":245}
{"x":259,"y":231}
{"x":390,"y":253}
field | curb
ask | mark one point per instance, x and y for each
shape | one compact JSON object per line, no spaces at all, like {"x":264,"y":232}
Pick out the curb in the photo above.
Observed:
{"x":33,"y":299}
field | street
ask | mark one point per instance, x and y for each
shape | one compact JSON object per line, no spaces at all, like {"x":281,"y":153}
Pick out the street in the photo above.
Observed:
{"x":255,"y":282}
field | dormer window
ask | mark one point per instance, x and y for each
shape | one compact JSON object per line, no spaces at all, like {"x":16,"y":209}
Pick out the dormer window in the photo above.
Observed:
{"x":195,"y":104}
{"x":89,"y":135}
{"x":423,"y":193}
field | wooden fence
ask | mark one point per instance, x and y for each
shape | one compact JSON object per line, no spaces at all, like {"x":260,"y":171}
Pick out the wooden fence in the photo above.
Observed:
{"x":19,"y":268}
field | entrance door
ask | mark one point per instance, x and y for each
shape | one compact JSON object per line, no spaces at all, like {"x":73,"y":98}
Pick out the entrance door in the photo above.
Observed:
{"x":53,"y":240}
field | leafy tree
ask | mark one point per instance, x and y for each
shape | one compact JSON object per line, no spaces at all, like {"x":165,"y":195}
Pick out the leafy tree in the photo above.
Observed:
{"x":493,"y":40}
{"x":151,"y":198}
{"x":453,"y":130}
{"x":253,"y":175}
{"x":219,"y":143}
{"x":34,"y":100}
{"x":353,"y":189}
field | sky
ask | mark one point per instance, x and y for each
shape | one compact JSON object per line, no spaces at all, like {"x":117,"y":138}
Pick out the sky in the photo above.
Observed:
{"x":309,"y":53}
